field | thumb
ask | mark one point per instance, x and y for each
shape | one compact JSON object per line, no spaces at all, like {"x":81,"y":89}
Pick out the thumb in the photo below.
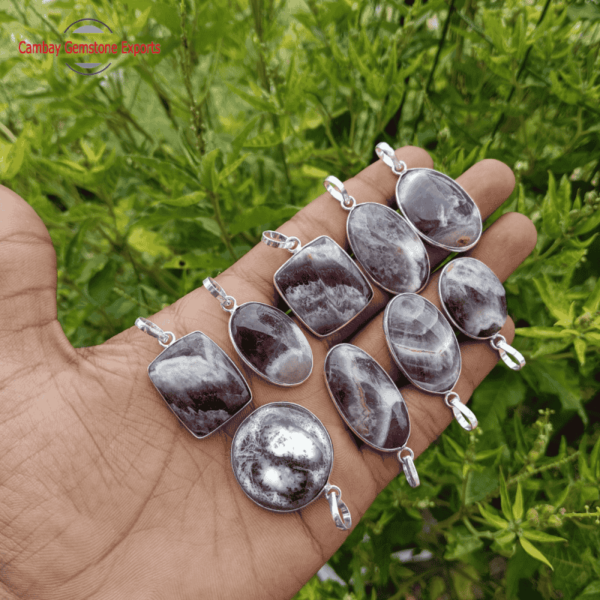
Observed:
{"x":28,"y":317}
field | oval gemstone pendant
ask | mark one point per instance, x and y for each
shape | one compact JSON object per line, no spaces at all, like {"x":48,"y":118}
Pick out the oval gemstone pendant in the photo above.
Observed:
{"x":474,"y":300}
{"x":382,"y":241}
{"x":197,"y":380}
{"x":425,"y":349}
{"x":266,"y":339}
{"x":437,"y":207}
{"x":282,"y":457}
{"x":370,"y":403}
{"x":320,"y":283}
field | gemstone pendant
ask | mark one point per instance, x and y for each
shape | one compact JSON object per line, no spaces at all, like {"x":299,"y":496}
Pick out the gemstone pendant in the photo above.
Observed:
{"x":383,"y":242}
{"x":370,"y":403}
{"x":437,"y":207}
{"x":426,"y":350}
{"x":197,"y":380}
{"x":266,"y":339}
{"x":320,"y":283}
{"x":474,"y":301}
{"x":282,"y":457}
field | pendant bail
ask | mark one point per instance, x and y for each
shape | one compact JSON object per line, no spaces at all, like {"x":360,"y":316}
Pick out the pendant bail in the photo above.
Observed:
{"x":155,"y":331}
{"x":280,"y":240}
{"x":408,"y":466}
{"x":228,"y":303}
{"x":464,"y":415}
{"x":339,"y":511}
{"x":336,"y":188}
{"x":387,"y":154}
{"x":499,"y":343}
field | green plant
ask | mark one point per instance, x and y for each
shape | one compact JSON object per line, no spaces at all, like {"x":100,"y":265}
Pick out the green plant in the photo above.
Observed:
{"x":167,"y":168}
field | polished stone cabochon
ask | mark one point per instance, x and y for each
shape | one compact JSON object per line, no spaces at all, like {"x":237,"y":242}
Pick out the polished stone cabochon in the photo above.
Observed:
{"x":439,"y":208}
{"x":474,"y":297}
{"x":272,"y":343}
{"x":422,"y":343}
{"x":200,"y":383}
{"x":387,"y":247}
{"x":282,"y":456}
{"x":323,"y":286}
{"x":367,"y":398}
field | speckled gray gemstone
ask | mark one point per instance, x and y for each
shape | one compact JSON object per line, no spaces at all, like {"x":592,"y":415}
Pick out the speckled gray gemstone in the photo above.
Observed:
{"x":282,"y":456}
{"x":439,"y":209}
{"x":272,"y":344}
{"x":323,"y":286}
{"x":200,"y":383}
{"x":473,"y":297}
{"x":422,"y":343}
{"x":387,"y":247}
{"x":367,"y":398}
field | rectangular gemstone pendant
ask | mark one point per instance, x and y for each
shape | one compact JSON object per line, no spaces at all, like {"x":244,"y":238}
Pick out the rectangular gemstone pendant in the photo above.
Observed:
{"x":323,"y":286}
{"x":199,"y":383}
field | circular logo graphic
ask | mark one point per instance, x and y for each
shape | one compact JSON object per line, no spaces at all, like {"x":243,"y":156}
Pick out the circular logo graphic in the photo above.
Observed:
{"x":76,"y":48}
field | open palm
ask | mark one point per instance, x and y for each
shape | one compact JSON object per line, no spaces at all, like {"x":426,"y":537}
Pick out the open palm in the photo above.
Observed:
{"x":104,"y":495}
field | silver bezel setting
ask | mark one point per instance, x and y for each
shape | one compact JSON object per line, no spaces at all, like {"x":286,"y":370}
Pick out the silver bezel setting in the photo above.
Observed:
{"x":386,"y":450}
{"x":251,"y":415}
{"x":355,"y":207}
{"x":249,"y":364}
{"x":286,"y":263}
{"x":420,"y":233}
{"x":447,"y":313}
{"x":202,"y":437}
{"x":391,"y":349}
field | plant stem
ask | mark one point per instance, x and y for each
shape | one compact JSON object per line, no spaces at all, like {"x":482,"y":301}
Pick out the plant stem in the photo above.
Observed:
{"x":214,"y":199}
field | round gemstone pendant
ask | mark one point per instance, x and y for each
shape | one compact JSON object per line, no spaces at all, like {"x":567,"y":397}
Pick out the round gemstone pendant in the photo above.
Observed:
{"x":266,"y":339}
{"x":282,"y":457}
{"x":474,"y":301}
{"x":437,"y":207}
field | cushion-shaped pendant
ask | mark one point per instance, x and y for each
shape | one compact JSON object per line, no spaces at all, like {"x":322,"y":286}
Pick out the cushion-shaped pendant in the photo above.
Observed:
{"x":370,"y":403}
{"x":320,"y":283}
{"x":437,"y":207}
{"x":383,"y":242}
{"x":197,"y":380}
{"x":426,"y":350}
{"x":474,"y":300}
{"x":266,"y":339}
{"x":282,"y":457}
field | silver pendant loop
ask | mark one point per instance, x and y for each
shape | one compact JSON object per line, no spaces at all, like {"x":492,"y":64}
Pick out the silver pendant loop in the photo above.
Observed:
{"x":336,"y":188}
{"x":155,"y":331}
{"x":387,"y":154}
{"x":279,"y":240}
{"x":408,"y":466}
{"x":464,"y":415}
{"x":339,"y":511}
{"x":228,"y":303}
{"x":498,"y":342}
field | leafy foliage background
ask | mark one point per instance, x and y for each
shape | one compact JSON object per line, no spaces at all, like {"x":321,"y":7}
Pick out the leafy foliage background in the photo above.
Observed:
{"x":167,"y":168}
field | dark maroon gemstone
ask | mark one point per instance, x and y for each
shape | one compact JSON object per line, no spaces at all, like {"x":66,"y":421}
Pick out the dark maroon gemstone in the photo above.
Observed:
{"x":473,"y":297}
{"x":388,"y":248}
{"x":200,"y":383}
{"x":323,"y":286}
{"x":271,"y":343}
{"x":422,"y":343}
{"x":367,"y":398}
{"x":282,"y":456}
{"x":439,"y":209}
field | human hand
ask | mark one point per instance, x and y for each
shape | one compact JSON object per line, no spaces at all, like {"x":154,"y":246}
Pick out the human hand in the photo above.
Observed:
{"x":103,"y":495}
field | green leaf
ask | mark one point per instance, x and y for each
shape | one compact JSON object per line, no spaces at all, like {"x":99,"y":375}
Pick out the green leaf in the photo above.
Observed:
{"x":204,"y":261}
{"x":195,"y":198}
{"x":255,"y":101}
{"x":595,"y":457}
{"x":580,"y":346}
{"x":480,"y":484}
{"x":592,"y":591}
{"x":265,"y":140}
{"x":533,"y":551}
{"x":208,"y":171}
{"x":592,"y":302}
{"x":588,"y":224}
{"x":140,"y":22}
{"x":13,"y":159}
{"x":261,"y":215}
{"x":171,"y":172}
{"x":540,"y":536}
{"x":518,"y":505}
{"x":101,"y":284}
{"x":554,"y":300}
{"x":454,"y":445}
{"x":492,"y":519}
{"x":542,"y":332}
{"x":551,"y":215}
{"x":241,"y":137}
{"x":210,"y":225}
{"x":504,"y":498}
{"x":147,"y":241}
{"x":231,"y":168}
{"x":6,"y":18}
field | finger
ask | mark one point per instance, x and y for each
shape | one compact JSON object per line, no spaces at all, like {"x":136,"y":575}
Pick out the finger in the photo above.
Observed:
{"x":28,"y":276}
{"x":502,"y":248}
